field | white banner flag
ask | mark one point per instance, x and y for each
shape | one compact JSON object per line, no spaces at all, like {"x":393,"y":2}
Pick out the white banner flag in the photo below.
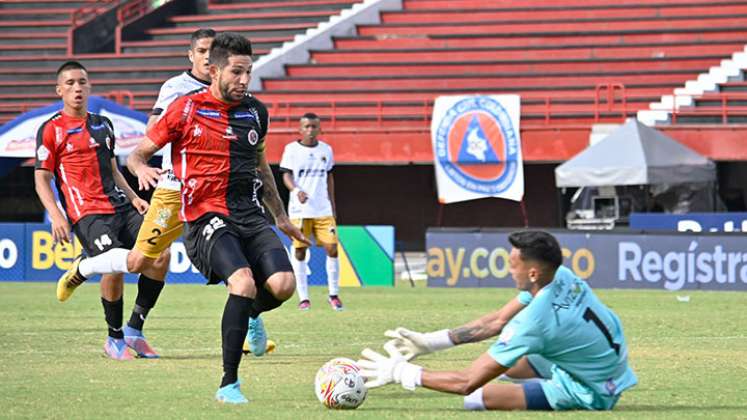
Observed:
{"x":477,"y":147}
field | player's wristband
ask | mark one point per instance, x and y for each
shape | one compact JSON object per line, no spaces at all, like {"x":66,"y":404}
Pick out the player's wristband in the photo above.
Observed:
{"x":439,"y":340}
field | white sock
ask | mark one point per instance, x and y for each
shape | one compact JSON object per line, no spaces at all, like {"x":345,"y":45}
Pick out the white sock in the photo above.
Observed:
{"x":474,"y":401}
{"x":333,"y":276}
{"x":113,"y":261}
{"x":302,"y":285}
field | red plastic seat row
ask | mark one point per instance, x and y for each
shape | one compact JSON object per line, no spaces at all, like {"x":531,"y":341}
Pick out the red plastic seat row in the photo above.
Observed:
{"x":487,"y":13}
{"x":653,"y":25}
{"x":570,"y":53}
{"x":545,"y":67}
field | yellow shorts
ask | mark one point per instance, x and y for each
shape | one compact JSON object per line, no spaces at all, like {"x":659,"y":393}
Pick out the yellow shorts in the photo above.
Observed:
{"x":161,"y":225}
{"x":324,"y":230}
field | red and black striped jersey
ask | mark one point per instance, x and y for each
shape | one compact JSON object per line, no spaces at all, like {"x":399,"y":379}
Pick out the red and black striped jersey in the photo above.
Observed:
{"x":214,"y":151}
{"x":79,"y":151}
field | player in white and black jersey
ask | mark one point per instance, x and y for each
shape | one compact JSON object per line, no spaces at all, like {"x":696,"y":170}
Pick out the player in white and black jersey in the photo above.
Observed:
{"x":307,"y":172}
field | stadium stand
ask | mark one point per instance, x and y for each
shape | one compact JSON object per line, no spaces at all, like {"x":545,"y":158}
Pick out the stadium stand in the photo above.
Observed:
{"x":562,"y":57}
{"x":575,"y":63}
{"x":32,"y":46}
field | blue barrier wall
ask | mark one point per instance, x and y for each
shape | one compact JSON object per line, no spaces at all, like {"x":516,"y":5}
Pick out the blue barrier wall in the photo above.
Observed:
{"x":28,"y":254}
{"x":479,"y":258}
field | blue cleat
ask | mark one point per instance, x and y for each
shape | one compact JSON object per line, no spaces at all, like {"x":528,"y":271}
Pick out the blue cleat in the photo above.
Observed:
{"x":231,"y":394}
{"x":136,"y":341}
{"x":256,"y":337}
{"x":115,"y":348}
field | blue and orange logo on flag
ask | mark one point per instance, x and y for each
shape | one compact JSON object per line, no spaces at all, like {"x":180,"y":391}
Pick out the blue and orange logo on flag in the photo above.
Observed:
{"x":477,"y":145}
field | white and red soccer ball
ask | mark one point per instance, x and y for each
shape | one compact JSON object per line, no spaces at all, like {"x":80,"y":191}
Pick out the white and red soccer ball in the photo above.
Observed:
{"x":339,"y":384}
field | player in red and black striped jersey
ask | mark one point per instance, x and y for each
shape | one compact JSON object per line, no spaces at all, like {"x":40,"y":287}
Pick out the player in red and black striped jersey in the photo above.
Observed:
{"x":218,"y":140}
{"x":76,"y":148}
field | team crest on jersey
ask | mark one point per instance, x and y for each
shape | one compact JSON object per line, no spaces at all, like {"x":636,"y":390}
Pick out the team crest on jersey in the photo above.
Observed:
{"x":253,"y":137}
{"x":162,"y":219}
{"x":478,"y":145}
{"x":69,"y":147}
{"x":42,"y":153}
{"x":197,"y":131}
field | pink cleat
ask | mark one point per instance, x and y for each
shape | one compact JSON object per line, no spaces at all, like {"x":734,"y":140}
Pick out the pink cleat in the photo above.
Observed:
{"x":136,"y":341}
{"x":336,"y":303}
{"x":305,"y":305}
{"x":115,"y":348}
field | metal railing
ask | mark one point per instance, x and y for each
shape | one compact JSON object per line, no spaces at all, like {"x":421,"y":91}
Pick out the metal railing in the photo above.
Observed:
{"x":83,"y":15}
{"x":723,"y":110}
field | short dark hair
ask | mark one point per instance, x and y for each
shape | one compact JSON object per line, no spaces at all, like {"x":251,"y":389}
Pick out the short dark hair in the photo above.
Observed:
{"x":310,"y":116}
{"x":200,"y":34}
{"x":70,"y":65}
{"x":226,"y":44}
{"x":539,"y":246}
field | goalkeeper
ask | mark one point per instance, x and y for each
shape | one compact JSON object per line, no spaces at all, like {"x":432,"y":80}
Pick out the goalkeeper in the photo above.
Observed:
{"x":556,"y":333}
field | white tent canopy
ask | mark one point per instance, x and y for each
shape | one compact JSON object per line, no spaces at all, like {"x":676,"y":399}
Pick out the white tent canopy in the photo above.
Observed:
{"x":635,"y":154}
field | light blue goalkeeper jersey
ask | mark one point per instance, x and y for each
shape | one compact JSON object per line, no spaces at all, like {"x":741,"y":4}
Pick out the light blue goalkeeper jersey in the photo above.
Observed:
{"x":569,"y":326}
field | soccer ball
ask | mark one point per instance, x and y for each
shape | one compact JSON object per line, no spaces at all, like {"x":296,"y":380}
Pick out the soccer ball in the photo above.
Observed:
{"x":338,"y":384}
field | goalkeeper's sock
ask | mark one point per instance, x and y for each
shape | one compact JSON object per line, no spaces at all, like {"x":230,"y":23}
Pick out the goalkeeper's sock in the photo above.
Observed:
{"x":148,"y":291}
{"x":302,"y":285}
{"x":233,"y":332}
{"x":474,"y":401}
{"x":333,"y":276}
{"x":113,"y":314}
{"x":113,"y":261}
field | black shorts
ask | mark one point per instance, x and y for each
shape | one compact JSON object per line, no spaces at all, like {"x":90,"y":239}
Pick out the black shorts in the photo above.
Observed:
{"x":254,"y":245}
{"x":99,"y":233}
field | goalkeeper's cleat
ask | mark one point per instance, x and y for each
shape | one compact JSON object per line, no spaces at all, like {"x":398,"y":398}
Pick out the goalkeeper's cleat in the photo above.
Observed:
{"x":256,"y":337}
{"x":271,"y":346}
{"x":336,"y":303}
{"x":136,"y":341}
{"x":116,"y":348}
{"x":231,"y":394}
{"x":69,"y":280}
{"x":304,"y":305}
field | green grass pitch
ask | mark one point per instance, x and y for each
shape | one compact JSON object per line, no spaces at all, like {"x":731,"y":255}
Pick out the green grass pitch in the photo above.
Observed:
{"x":690,"y":357}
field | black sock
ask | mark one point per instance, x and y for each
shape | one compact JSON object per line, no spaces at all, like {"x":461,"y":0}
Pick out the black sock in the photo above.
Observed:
{"x":264,"y":302}
{"x":233,"y":327}
{"x":148,"y":291}
{"x":113,"y":314}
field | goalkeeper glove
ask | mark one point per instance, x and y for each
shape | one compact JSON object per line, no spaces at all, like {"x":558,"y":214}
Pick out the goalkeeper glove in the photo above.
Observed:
{"x":379,"y":370}
{"x":412,"y":343}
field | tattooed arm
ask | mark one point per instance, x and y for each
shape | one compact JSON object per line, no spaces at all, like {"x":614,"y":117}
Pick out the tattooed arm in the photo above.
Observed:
{"x":412,"y":343}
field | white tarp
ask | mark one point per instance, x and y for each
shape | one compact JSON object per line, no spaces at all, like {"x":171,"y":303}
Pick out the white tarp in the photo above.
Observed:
{"x":635,"y":154}
{"x":18,"y":136}
{"x":477,"y":147}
